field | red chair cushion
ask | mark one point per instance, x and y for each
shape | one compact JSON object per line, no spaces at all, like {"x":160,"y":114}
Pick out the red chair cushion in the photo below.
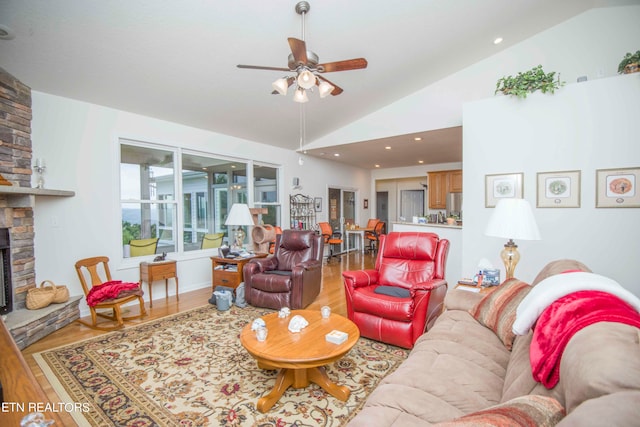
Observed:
{"x":394,"y":308}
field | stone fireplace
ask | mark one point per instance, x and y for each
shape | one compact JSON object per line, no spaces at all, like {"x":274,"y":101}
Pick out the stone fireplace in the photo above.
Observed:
{"x":16,"y":215}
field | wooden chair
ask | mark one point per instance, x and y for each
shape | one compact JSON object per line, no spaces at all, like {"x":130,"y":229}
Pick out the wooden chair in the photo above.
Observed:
{"x":91,"y":267}
{"x":212,"y":240}
{"x":331,"y":238}
{"x":142,"y":247}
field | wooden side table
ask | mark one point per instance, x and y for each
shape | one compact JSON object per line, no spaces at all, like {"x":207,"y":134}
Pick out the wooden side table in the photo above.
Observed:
{"x":152,"y":271}
{"x":474,"y":288}
{"x":228,"y":271}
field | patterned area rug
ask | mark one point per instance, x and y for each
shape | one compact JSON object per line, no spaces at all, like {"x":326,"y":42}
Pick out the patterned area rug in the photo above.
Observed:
{"x":190,"y":369}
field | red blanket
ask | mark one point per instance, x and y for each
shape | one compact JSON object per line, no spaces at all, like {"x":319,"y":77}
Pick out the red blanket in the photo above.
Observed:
{"x":563,"y":318}
{"x":111,"y":290}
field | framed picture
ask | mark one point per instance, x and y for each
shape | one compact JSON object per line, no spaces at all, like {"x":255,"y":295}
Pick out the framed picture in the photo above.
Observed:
{"x":366,"y":203}
{"x":558,"y":189}
{"x":617,"y":188}
{"x":317,"y":202}
{"x":502,"y":186}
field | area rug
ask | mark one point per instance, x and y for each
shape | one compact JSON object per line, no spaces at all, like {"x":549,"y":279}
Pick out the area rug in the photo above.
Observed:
{"x":190,"y":369}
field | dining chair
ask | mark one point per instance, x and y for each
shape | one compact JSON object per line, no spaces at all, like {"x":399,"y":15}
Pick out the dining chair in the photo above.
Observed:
{"x":94,"y":274}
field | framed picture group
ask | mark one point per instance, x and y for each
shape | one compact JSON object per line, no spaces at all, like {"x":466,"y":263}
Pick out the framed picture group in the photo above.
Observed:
{"x":615,"y":188}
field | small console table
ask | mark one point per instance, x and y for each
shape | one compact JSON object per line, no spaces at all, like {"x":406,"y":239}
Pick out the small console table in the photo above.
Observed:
{"x":152,"y":271}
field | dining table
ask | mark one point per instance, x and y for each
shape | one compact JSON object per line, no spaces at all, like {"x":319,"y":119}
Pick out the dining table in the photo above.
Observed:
{"x":357,"y":231}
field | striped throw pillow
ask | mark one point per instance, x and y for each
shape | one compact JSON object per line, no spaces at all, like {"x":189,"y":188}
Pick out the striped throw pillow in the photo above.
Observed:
{"x":530,"y":410}
{"x":497,"y":310}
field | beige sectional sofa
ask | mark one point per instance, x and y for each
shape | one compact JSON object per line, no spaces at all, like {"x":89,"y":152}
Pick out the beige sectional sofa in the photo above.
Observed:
{"x":461,"y":373}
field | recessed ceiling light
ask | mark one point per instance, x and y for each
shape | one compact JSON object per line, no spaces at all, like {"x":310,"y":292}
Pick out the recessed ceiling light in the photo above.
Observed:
{"x":6,"y":33}
{"x":417,"y":138}
{"x":377,"y":166}
{"x":387,"y":148}
{"x":336,"y":154}
{"x":421,"y":161}
{"x":497,"y":40}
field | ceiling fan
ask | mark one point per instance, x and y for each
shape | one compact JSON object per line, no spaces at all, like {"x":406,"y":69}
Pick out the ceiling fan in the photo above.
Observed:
{"x":305,"y":64}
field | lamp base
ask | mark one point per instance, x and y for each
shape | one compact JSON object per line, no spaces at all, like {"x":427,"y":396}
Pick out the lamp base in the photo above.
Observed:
{"x":510,"y":257}
{"x":240,"y":235}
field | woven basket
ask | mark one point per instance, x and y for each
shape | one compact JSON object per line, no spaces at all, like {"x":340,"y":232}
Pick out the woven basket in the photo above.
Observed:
{"x":61,"y":294}
{"x":40,"y":297}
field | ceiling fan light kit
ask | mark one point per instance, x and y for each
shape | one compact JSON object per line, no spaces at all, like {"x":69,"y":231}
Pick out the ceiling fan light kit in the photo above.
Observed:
{"x":305,"y":64}
{"x":300,"y":96}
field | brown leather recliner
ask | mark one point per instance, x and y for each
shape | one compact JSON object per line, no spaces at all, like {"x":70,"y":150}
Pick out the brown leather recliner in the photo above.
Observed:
{"x":291,"y":277}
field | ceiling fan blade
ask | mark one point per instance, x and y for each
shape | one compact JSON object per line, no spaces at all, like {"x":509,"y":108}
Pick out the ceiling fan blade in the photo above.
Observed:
{"x":299,"y":50}
{"x":346,"y":65}
{"x":336,"y":91}
{"x":290,"y":81}
{"x":259,"y":67}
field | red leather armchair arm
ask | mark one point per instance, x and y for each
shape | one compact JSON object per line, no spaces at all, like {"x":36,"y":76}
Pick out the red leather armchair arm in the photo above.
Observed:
{"x":360,"y":278}
{"x":429,"y":285}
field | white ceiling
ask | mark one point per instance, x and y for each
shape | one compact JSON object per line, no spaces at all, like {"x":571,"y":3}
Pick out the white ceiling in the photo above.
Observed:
{"x":176,"y":60}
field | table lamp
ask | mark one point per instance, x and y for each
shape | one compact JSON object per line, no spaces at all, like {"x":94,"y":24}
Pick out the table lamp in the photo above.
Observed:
{"x":512,"y":219}
{"x":240,"y":215}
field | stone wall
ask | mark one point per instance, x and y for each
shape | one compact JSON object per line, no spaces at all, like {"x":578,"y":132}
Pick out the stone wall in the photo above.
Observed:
{"x":15,"y":167}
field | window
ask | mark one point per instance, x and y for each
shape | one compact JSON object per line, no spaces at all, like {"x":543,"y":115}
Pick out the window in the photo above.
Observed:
{"x":147,"y":195}
{"x":411,"y":203}
{"x":210,"y":185}
{"x":206,"y":184}
{"x":265,"y":186}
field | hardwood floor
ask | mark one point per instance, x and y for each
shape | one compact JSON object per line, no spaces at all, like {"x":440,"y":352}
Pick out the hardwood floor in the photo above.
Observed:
{"x":332,"y":294}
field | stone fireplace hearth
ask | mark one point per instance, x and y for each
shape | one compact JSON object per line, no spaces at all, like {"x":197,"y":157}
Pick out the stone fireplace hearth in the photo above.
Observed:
{"x":16,"y":215}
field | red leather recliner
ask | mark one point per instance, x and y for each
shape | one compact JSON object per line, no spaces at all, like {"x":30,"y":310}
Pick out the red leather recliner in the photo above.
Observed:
{"x":407,"y":262}
{"x":291,"y":277}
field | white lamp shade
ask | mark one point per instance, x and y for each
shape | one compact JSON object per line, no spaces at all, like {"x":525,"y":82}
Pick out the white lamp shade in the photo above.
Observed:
{"x":513,"y":219}
{"x":281,"y":86}
{"x":300,"y":96}
{"x":306,"y":79}
{"x":325,"y":89}
{"x":239,"y":215}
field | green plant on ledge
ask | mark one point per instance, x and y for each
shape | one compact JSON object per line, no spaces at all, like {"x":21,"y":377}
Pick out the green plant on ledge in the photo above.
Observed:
{"x":630,"y":63}
{"x":528,"y":82}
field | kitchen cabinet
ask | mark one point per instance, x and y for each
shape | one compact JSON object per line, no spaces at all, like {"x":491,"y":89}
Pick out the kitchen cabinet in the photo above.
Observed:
{"x":455,"y":181}
{"x":443,"y":182}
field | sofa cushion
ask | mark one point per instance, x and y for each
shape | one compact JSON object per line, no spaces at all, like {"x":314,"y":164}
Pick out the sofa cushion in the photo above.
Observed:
{"x":557,"y":267}
{"x":456,"y":368}
{"x":600,"y":359}
{"x":618,"y":409}
{"x":518,"y":380}
{"x":531,"y":410}
{"x":497,"y":310}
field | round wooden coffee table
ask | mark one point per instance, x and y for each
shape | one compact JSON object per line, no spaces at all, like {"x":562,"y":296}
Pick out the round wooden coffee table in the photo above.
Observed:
{"x":300,"y":356}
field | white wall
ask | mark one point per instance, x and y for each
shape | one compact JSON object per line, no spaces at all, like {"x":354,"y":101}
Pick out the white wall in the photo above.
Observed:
{"x":584,"y":126}
{"x":79,"y":142}
{"x":591,"y":44}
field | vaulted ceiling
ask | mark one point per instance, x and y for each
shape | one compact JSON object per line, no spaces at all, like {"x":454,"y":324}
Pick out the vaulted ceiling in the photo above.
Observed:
{"x":176,"y":60}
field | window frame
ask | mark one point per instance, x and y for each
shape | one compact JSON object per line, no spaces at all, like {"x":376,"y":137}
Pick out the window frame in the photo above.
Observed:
{"x":244,"y":194}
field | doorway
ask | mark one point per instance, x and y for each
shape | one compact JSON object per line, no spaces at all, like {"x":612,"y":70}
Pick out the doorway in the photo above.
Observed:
{"x":382,"y":206}
{"x":342,"y":209}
